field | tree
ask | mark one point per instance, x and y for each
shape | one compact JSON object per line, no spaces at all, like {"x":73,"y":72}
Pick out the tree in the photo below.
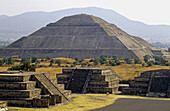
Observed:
{"x":75,"y":63}
{"x":51,"y":62}
{"x":58,"y":61}
{"x":150,"y":63}
{"x":146,"y":58}
{"x":76,"y":58}
{"x":26,"y":60}
{"x":34,"y":59}
{"x":5,"y":61}
{"x":89,"y":65}
{"x":137,"y":61}
{"x":128,"y":61}
{"x":103,"y":58}
{"x":1,"y":62}
{"x":10,"y":61}
{"x":114,"y":57}
{"x":96,"y":62}
{"x":168,"y":49}
{"x":48,"y":58}
{"x":167,"y":63}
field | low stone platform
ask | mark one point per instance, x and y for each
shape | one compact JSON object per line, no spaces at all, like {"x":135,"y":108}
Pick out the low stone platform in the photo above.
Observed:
{"x":154,"y":83}
{"x":89,"y":80}
{"x":3,"y":106}
{"x":31,"y":89}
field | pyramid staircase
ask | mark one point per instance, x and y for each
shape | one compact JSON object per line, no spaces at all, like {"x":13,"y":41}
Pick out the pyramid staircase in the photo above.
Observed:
{"x":31,"y":89}
{"x":89,"y":80}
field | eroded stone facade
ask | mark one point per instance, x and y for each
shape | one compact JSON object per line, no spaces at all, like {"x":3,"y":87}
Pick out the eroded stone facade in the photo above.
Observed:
{"x":31,"y":89}
{"x":151,"y":83}
{"x":89,"y":80}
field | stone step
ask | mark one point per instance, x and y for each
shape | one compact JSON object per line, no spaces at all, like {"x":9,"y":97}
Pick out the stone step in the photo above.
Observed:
{"x":49,"y":86}
{"x":20,"y":93}
{"x":18,"y":85}
{"x":134,"y":84}
{"x":102,"y":90}
{"x":143,"y":79}
{"x":134,"y":90}
{"x":14,"y":78}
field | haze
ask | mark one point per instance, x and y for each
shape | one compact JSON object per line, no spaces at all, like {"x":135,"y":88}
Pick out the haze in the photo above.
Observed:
{"x":147,"y":11}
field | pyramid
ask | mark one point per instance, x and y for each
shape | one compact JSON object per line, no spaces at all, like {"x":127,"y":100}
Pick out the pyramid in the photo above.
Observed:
{"x":83,"y":36}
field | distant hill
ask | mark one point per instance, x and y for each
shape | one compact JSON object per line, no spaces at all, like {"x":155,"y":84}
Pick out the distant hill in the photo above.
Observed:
{"x":15,"y":27}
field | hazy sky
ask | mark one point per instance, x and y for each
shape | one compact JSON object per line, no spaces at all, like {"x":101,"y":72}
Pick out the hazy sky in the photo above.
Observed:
{"x":147,"y":11}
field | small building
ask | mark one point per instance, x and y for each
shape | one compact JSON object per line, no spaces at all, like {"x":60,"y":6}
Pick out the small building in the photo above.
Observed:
{"x":31,"y":89}
{"x":154,"y":83}
{"x":89,"y":80}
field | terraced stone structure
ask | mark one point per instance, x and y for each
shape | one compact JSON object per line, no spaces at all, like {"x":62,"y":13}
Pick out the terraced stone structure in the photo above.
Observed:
{"x":154,"y":83}
{"x":89,"y":80}
{"x":31,"y":89}
{"x":83,"y":36}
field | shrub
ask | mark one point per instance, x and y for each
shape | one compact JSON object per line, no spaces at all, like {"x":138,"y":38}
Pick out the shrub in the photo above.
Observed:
{"x":150,"y":63}
{"x":96,"y":62}
{"x":48,"y":58}
{"x":146,"y":58}
{"x":167,"y":63}
{"x":89,"y":65}
{"x":34,"y":59}
{"x":137,"y":61}
{"x":128,"y":61}
{"x":58,"y":62}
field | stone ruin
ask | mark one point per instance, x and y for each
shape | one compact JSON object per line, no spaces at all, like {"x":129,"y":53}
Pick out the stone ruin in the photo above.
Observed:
{"x":89,"y":80}
{"x":83,"y":36}
{"x":154,"y":83}
{"x":3,"y":106}
{"x":31,"y":89}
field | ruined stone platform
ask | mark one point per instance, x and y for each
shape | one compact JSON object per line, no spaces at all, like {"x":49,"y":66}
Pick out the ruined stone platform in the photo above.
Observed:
{"x":89,"y":80}
{"x":154,"y":83}
{"x":31,"y":89}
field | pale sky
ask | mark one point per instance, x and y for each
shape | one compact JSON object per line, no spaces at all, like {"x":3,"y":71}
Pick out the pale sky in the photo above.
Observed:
{"x":147,"y":11}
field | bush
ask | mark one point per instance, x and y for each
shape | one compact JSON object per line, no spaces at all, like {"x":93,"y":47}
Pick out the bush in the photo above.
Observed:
{"x":146,"y":58}
{"x":91,"y":60}
{"x":167,"y":63}
{"x":34,"y":59}
{"x":89,"y":65}
{"x":72,"y":65}
{"x":48,"y":58}
{"x":128,"y":61}
{"x":58,"y":61}
{"x":137,"y":61}
{"x":75,"y":63}
{"x":76,"y":58}
{"x":24,"y":67}
{"x":26,"y":60}
{"x":150,"y":63}
{"x":103,"y":58}
{"x":143,"y":64}
{"x":1,"y":62}
{"x":96,"y":62}
{"x":114,"y":57}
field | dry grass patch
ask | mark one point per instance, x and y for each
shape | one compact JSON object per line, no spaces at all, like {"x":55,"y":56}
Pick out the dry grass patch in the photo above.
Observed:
{"x":4,"y":68}
{"x":52,"y":70}
{"x":129,"y":71}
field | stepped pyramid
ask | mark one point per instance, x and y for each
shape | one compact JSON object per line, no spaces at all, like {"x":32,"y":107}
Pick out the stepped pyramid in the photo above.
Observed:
{"x":154,"y":83}
{"x":82,"y":36}
{"x":89,"y":80}
{"x":31,"y":89}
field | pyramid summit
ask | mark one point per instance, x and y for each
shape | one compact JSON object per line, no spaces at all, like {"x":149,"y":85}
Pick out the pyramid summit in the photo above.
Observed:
{"x":83,"y":36}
